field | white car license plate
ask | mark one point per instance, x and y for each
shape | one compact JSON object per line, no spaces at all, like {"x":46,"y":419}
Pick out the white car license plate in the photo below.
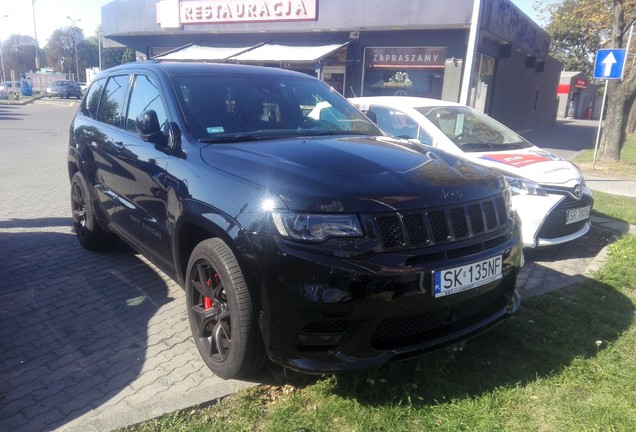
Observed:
{"x":463,"y":278}
{"x":576,"y":215}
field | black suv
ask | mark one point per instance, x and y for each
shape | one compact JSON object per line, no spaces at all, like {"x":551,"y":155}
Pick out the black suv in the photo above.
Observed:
{"x":298,"y":230}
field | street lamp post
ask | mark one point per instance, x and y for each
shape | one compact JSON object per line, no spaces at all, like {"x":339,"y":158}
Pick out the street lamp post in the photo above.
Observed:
{"x":37,"y":45}
{"x":99,"y":46}
{"x":75,"y":46}
{"x":4,"y":78}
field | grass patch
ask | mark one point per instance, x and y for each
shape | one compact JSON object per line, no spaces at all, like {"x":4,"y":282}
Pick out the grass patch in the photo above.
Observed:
{"x":623,"y":208}
{"x":567,"y":361}
{"x":625,"y":168}
{"x":606,"y":204}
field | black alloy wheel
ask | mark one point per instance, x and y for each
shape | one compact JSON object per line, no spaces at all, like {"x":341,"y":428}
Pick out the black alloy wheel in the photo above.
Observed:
{"x":220,"y":312}
{"x":87,"y":229}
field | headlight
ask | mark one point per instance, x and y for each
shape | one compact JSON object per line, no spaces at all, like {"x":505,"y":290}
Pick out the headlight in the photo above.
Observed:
{"x":316,"y":227}
{"x":521,"y":186}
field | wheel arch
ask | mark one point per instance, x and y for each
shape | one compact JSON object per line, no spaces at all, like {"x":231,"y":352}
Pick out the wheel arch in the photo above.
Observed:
{"x":73,"y":162}
{"x":192,"y":229}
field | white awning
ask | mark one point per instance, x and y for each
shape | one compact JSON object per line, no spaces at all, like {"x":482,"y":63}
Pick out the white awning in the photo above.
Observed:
{"x":205,"y":53}
{"x":287,"y":53}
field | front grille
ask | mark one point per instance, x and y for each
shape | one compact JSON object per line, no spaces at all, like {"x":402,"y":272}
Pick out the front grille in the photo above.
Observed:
{"x":441,"y":225}
{"x":554,"y":225}
{"x":395,"y":332}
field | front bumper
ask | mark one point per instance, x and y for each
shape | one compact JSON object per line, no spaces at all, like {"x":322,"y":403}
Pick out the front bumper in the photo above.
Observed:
{"x":543,"y":218}
{"x":327,"y":314}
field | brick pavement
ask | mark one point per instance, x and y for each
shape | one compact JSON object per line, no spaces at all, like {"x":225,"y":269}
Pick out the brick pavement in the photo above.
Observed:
{"x":96,"y":341}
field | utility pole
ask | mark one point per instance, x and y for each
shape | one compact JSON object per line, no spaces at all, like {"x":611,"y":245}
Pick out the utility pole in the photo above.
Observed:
{"x":37,"y":45}
{"x":4,"y":78}
{"x":75,"y":46}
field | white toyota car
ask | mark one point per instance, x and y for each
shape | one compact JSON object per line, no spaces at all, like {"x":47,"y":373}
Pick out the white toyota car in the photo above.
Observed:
{"x":549,"y":193}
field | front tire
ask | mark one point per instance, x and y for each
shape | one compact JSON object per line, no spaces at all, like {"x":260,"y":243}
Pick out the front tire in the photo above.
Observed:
{"x":221,"y":312}
{"x":87,"y":229}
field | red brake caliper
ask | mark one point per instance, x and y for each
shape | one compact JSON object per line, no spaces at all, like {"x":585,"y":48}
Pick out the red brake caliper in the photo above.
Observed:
{"x":207,"y":301}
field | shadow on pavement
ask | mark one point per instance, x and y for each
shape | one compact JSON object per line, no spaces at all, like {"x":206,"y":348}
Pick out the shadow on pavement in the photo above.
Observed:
{"x":577,"y":135}
{"x":73,"y":324}
{"x":10,"y":112}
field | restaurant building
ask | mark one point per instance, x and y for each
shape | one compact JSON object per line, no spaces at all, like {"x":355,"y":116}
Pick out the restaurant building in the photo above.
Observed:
{"x":484,"y":53}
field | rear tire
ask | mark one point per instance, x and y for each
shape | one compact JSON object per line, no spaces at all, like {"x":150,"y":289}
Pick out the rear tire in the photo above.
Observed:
{"x":221,"y":312}
{"x":87,"y":229}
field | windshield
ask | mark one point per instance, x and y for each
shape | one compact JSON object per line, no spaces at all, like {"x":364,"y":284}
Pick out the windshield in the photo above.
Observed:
{"x":242,"y":108}
{"x":472,"y":130}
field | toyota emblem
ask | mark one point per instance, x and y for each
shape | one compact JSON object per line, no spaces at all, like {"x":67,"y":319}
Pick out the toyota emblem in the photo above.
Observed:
{"x":577,"y":191}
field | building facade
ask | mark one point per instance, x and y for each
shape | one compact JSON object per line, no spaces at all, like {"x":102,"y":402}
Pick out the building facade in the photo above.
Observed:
{"x":484,"y":53}
{"x":577,"y":97}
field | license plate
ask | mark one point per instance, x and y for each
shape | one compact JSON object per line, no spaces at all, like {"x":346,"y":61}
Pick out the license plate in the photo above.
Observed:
{"x":466,"y":277}
{"x":576,"y":215}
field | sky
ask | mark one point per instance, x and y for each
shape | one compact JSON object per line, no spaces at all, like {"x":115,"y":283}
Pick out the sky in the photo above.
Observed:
{"x":526,"y":7}
{"x":51,"y":15}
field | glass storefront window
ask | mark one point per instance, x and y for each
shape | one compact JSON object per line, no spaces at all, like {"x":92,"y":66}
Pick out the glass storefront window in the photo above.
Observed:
{"x":404,"y":71}
{"x":481,"y":82}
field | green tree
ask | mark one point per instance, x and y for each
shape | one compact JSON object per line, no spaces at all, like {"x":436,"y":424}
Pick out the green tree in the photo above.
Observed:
{"x":577,"y":32}
{"x":578,"y":28}
{"x":112,"y":57}
{"x":18,"y":53}
{"x":61,"y":45}
{"x":621,"y":94}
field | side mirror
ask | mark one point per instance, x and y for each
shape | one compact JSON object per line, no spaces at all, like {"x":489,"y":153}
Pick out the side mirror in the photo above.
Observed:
{"x":148,"y":127}
{"x":371,"y":115}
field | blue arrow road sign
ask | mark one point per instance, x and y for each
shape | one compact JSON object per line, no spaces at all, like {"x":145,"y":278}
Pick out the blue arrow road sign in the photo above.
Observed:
{"x":609,"y":63}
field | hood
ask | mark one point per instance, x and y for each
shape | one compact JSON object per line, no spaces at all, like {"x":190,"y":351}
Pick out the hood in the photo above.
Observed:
{"x":531,"y":163}
{"x":353,"y":174}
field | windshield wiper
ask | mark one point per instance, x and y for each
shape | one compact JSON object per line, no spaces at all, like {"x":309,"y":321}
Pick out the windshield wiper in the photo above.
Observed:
{"x":230,"y":138}
{"x":326,"y":132}
{"x":475,"y":147}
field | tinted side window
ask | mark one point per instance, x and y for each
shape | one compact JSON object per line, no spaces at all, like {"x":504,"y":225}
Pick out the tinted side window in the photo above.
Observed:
{"x":110,"y":110}
{"x":143,"y":97}
{"x":91,"y":103}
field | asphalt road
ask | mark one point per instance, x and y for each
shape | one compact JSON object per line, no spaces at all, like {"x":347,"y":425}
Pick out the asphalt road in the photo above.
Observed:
{"x":96,"y":341}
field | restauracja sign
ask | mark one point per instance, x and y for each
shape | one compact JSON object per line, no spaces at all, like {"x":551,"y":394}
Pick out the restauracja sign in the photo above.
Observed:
{"x":227,"y":11}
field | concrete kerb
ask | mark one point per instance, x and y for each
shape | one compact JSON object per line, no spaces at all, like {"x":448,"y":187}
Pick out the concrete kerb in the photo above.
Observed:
{"x":21,"y":101}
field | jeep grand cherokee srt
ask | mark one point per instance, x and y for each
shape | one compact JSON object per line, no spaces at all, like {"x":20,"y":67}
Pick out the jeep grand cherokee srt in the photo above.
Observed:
{"x":300,"y":234}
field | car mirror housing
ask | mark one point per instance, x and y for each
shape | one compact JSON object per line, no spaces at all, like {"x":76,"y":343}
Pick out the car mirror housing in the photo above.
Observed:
{"x":148,"y":127}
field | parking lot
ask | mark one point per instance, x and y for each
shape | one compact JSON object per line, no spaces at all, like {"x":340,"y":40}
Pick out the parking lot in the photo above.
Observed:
{"x":100,"y":340}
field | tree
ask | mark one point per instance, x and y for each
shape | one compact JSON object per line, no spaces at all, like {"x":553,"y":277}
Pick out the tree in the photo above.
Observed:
{"x":60,"y":50}
{"x":621,"y":94}
{"x":578,"y":29}
{"x":18,"y":54}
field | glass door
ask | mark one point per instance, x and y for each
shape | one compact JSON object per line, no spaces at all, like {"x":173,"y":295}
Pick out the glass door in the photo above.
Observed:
{"x":334,"y":76}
